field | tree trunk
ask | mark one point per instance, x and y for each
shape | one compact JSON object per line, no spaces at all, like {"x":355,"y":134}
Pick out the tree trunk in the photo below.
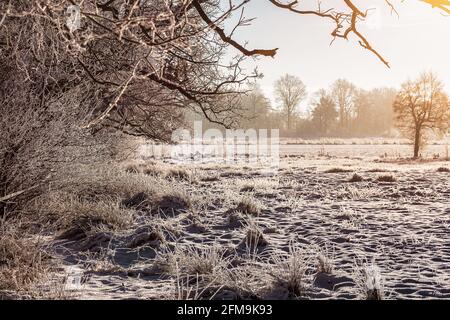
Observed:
{"x":416,"y":143}
{"x":341,"y":116}
{"x":289,"y":121}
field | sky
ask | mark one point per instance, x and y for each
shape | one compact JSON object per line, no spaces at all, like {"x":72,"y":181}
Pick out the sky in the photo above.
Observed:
{"x":417,"y":40}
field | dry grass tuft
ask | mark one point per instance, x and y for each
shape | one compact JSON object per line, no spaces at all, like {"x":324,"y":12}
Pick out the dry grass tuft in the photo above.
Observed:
{"x":370,"y":283}
{"x":355,"y":193}
{"x":254,"y":237}
{"x":338,"y":170}
{"x":377,"y":170}
{"x":159,"y":170}
{"x":290,"y":271}
{"x":165,"y":262}
{"x":78,"y":217}
{"x":173,"y":203}
{"x":257,"y":185}
{"x":387,"y":178}
{"x":178,"y":174}
{"x":210,"y":178}
{"x":168,"y":202}
{"x":356,"y":178}
{"x":205,"y":261}
{"x":196,"y":269}
{"x":196,"y":287}
{"x":249,"y":206}
{"x":147,"y":168}
{"x":244,"y":282}
{"x":110,"y":181}
{"x":348,"y":214}
{"x":153,"y":170}
{"x":132,"y":168}
{"x":325,"y":264}
{"x":22,"y":261}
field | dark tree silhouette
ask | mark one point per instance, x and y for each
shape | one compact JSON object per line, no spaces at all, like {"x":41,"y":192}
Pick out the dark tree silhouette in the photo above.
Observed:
{"x":324,"y":114}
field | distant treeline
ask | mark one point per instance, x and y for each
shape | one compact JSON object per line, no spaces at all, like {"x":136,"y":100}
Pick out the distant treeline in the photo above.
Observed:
{"x":343,"y":110}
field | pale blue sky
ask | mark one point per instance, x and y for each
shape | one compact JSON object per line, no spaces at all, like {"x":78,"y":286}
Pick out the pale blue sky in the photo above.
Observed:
{"x":418,"y":40}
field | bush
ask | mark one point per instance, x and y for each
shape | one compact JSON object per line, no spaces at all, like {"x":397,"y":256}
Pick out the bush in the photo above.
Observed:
{"x":22,"y":261}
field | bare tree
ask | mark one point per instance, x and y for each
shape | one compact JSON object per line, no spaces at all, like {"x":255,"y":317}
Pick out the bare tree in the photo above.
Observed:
{"x":421,"y":106}
{"x":289,"y":92}
{"x":344,"y":93}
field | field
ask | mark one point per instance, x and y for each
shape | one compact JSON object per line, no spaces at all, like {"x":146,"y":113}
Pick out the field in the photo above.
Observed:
{"x":326,"y":225}
{"x":156,"y":150}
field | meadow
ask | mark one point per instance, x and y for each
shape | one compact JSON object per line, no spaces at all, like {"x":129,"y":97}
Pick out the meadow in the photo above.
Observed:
{"x":323,"y":226}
